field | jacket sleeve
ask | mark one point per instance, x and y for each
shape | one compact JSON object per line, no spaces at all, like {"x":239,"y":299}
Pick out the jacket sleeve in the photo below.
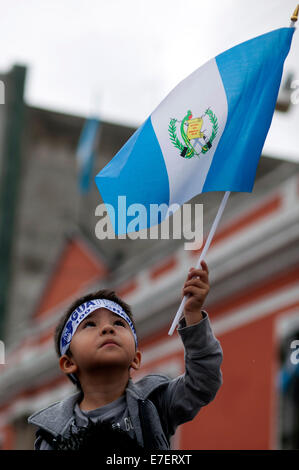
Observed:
{"x":181,"y":398}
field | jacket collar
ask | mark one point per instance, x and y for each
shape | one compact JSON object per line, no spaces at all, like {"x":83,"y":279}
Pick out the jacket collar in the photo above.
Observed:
{"x":57,"y":417}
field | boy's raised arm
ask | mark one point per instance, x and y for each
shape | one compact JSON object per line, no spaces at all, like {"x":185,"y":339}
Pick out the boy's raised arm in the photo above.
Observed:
{"x":182,"y":398}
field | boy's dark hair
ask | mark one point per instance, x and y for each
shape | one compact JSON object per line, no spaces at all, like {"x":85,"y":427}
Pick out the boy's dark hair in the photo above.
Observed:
{"x":100,"y":294}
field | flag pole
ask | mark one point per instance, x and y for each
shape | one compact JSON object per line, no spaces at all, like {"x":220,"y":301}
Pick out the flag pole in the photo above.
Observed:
{"x":202,"y":256}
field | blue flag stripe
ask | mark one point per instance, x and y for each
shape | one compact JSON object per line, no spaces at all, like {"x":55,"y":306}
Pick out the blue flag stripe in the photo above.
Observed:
{"x":141,"y":156}
{"x":251,"y":76}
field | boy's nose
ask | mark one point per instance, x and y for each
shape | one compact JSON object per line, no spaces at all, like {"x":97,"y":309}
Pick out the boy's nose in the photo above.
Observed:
{"x":107,"y":329}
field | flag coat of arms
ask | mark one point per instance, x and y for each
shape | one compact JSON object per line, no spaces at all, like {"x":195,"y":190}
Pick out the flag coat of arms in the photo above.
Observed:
{"x":206,"y":135}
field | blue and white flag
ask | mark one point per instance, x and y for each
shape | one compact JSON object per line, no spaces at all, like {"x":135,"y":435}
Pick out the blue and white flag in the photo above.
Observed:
{"x":206,"y":135}
{"x":86,"y":153}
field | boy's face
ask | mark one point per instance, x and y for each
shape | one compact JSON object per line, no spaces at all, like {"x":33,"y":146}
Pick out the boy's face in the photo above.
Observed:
{"x":103,"y":340}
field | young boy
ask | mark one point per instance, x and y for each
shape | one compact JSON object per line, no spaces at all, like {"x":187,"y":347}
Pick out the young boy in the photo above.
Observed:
{"x":97,"y":346}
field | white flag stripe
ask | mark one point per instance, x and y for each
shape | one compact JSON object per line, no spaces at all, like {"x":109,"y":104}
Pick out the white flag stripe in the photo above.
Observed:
{"x":201,"y":90}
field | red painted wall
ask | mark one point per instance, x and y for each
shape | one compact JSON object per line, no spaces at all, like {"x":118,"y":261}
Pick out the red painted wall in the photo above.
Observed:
{"x":75,"y":267}
{"x":240,"y":415}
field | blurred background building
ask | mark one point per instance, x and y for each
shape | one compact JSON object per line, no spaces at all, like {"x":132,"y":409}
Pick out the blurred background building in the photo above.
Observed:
{"x":50,"y":255}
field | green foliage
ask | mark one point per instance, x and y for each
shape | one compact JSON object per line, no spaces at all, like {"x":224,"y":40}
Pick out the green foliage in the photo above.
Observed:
{"x":173,"y":136}
{"x":214,"y":121}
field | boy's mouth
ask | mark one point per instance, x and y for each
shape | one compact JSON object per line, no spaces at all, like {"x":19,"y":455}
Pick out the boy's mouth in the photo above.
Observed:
{"x":109,"y":342}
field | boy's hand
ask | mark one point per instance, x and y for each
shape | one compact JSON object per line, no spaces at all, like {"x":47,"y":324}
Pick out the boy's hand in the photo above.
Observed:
{"x":196,"y":288}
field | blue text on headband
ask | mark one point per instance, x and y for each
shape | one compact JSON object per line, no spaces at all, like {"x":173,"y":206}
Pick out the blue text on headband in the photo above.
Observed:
{"x":81,"y":312}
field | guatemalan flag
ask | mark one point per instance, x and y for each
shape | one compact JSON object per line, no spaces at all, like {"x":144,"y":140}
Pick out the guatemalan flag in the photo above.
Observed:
{"x":86,"y":153}
{"x":206,"y":135}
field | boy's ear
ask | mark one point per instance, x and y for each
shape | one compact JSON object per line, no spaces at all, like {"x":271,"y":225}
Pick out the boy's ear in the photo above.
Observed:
{"x":135,"y":364}
{"x":67,"y":364}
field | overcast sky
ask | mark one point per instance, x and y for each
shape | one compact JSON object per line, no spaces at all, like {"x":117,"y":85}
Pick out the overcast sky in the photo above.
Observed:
{"x":121,"y":58}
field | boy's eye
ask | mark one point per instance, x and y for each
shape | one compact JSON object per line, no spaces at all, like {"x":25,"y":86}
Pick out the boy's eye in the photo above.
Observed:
{"x":119,"y":322}
{"x":89,"y":323}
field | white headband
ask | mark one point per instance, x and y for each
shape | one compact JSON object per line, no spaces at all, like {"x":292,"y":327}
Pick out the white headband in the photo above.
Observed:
{"x":81,"y":312}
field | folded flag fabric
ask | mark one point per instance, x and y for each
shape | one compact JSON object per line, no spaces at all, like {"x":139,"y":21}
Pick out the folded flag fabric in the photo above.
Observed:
{"x":85,"y":153}
{"x":206,"y":135}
